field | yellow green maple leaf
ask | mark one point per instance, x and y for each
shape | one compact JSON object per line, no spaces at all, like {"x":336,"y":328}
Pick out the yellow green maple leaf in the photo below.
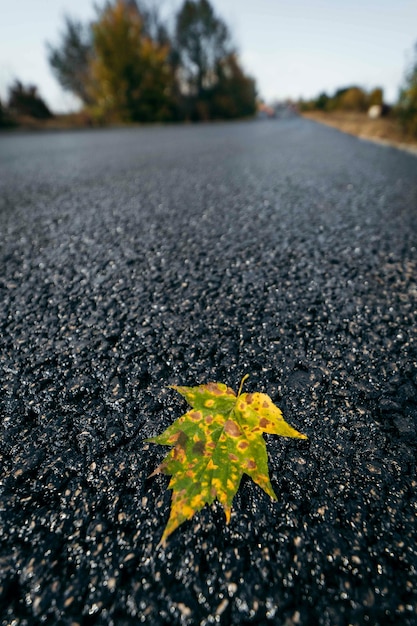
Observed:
{"x":214,"y":444}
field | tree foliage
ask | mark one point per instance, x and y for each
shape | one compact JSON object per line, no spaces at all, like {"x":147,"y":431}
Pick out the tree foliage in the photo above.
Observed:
{"x":126,"y":66}
{"x":2,"y":115}
{"x":211,"y":80}
{"x":322,"y":101}
{"x":6,"y":120}
{"x":214,"y":444}
{"x":130,"y":73}
{"x":351,"y":98}
{"x":153,"y":25}
{"x":70,"y":61}
{"x":234,"y":94}
{"x":203,"y":41}
{"x":376,"y":97}
{"x":407,"y":102}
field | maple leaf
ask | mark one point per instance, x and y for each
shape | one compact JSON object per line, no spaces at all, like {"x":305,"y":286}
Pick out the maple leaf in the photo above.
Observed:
{"x":214,"y":444}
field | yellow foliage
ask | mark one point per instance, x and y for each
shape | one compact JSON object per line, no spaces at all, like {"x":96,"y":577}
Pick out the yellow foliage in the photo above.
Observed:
{"x":354,"y":99}
{"x":130,"y":72}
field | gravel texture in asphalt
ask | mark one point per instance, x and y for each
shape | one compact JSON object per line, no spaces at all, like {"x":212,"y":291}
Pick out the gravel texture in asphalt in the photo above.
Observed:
{"x":134,"y":259}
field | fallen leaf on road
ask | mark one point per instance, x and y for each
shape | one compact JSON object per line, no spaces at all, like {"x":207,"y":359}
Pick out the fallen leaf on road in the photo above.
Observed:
{"x":214,"y":444}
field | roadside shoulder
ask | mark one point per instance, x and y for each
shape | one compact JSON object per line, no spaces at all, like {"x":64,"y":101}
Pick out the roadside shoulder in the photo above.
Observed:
{"x":381,"y":132}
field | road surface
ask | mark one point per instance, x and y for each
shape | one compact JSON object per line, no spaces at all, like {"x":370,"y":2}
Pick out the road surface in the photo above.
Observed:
{"x":135,"y":259}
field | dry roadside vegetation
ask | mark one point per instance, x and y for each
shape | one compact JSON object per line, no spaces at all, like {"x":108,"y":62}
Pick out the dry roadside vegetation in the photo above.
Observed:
{"x":384,"y":129}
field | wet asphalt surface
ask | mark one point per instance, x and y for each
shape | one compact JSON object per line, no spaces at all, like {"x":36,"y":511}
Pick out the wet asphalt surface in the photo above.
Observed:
{"x":139,"y":258}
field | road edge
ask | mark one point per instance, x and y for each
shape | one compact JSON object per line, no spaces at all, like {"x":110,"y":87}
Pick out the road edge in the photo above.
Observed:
{"x":403,"y":147}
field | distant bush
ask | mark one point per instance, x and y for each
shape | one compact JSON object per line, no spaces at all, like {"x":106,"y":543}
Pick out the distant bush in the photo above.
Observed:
{"x":2,"y":115}
{"x":376,"y":97}
{"x":27,"y":102}
{"x":352,"y":98}
{"x":322,"y":102}
{"x":6,"y":119}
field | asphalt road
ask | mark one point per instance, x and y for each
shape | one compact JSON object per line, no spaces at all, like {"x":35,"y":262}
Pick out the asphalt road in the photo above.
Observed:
{"x":135,"y":259}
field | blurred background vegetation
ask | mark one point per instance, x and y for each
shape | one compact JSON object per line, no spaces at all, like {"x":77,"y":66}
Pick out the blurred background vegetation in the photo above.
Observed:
{"x":129,"y":65}
{"x":354,"y":99}
{"x":407,"y":104}
{"x":351,"y":98}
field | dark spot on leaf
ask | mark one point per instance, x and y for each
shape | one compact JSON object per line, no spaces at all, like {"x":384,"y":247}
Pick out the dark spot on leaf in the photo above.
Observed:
{"x":250,"y":464}
{"x":249,"y":398}
{"x":209,"y":419}
{"x":242,"y":445}
{"x":263,"y":422}
{"x":265,"y":405}
{"x":198,"y":447}
{"x":182,"y":439}
{"x":195,"y":415}
{"x":233,"y":457}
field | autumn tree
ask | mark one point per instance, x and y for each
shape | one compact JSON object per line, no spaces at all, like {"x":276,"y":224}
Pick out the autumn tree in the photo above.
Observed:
{"x":376,"y":97}
{"x":352,"y":99}
{"x":130,"y":73}
{"x":71,"y":58}
{"x":126,"y":67}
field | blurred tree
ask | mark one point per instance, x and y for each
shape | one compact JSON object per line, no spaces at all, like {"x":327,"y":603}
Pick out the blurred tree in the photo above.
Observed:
{"x":347,"y":99}
{"x":7,"y":120}
{"x":70,"y":60}
{"x":352,"y":99}
{"x":202,"y":41}
{"x":131,"y":78}
{"x":322,"y":102}
{"x":234,"y":94}
{"x":306,"y":105}
{"x":124,"y":66}
{"x":26,"y":101}
{"x":406,"y":109}
{"x":2,"y":114}
{"x":376,"y":97}
{"x":210,"y":78}
{"x":153,"y":25}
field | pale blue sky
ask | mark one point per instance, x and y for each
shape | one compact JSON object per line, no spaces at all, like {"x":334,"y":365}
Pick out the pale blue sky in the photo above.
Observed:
{"x":292,"y":47}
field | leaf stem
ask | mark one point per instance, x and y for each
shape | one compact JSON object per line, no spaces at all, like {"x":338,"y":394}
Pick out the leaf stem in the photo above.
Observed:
{"x":246,"y":376}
